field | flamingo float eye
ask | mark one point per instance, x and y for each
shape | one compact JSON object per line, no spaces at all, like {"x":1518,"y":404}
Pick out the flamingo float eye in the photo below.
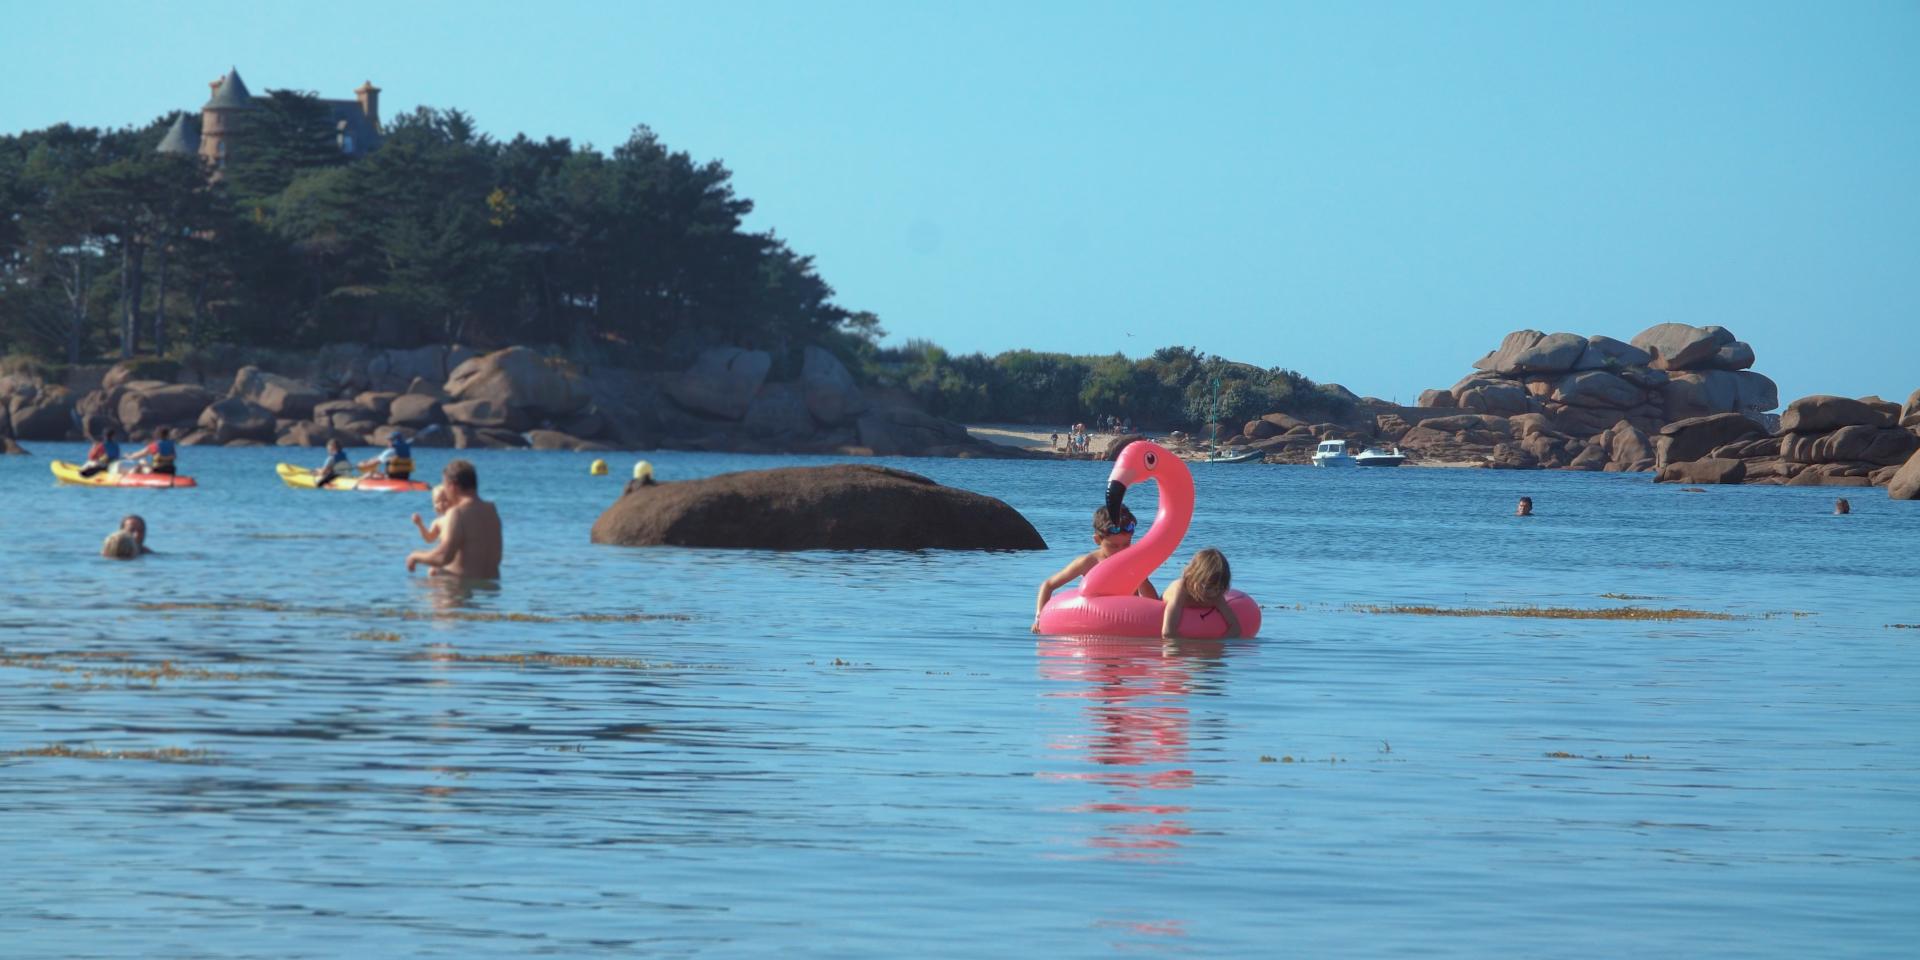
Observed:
{"x":1152,"y":459}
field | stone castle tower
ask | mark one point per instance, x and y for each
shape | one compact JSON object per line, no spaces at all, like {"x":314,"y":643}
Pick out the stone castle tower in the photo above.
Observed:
{"x":221,"y":129}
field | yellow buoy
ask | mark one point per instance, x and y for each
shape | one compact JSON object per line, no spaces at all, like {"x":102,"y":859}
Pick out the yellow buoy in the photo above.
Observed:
{"x":643,"y":471}
{"x":599,"y":468}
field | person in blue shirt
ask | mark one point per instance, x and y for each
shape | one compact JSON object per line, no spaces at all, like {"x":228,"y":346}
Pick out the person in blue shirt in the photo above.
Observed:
{"x":105,"y":451}
{"x":396,"y":461}
{"x":159,"y":455}
{"x":337,"y":465}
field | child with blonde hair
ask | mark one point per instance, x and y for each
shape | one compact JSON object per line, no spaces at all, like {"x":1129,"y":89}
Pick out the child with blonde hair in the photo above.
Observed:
{"x":442,"y":501}
{"x":1203,"y":584}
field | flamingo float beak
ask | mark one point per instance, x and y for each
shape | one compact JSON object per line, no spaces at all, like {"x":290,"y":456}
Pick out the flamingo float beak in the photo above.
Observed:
{"x":1116,"y":496}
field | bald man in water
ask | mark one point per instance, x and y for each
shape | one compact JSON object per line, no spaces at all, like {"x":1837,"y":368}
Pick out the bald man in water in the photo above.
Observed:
{"x":470,"y":543}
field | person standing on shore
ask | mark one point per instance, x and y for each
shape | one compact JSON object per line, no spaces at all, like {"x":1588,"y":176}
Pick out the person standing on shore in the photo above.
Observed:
{"x":470,"y":544}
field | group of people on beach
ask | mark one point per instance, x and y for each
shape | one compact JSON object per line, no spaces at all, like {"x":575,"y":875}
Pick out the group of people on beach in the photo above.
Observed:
{"x":465,"y":536}
{"x":1203,"y":584}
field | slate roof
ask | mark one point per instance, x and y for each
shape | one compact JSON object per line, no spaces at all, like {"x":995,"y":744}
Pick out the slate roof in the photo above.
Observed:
{"x":348,"y":118}
{"x":232,"y":94}
{"x":182,"y":138}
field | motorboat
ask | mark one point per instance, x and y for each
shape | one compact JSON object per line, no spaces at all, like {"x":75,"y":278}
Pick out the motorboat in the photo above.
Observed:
{"x":1241,"y":456}
{"x":1380,"y":458}
{"x":1332,"y":453}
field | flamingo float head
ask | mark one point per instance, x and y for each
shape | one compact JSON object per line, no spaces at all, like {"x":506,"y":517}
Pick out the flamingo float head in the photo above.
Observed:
{"x":1140,"y":461}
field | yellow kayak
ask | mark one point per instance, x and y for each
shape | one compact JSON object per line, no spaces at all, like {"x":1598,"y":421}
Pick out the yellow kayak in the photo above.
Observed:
{"x":300,"y":478}
{"x":70,"y":473}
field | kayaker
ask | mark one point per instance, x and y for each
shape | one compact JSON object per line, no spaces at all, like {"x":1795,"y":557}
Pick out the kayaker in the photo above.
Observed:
{"x":104,"y":452}
{"x":396,"y":461}
{"x":158,"y":456}
{"x":335,"y":466}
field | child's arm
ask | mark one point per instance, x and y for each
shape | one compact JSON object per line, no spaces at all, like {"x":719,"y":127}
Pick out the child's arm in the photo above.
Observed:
{"x":1176,"y":605}
{"x":1147,"y":590}
{"x":1080,"y":565}
{"x":429,"y":534}
{"x":1233,"y":621}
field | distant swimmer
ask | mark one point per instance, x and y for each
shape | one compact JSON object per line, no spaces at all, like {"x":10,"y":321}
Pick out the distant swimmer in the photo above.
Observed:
{"x":135,"y":526}
{"x":1525,"y":509}
{"x":470,"y":542}
{"x":120,"y":545}
{"x":1842,"y":506}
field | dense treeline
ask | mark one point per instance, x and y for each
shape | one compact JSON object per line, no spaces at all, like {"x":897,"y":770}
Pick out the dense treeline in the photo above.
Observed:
{"x":108,"y":248}
{"x":1174,"y":387}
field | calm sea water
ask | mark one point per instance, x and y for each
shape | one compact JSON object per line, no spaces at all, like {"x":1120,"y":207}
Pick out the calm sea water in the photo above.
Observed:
{"x":856,"y":754}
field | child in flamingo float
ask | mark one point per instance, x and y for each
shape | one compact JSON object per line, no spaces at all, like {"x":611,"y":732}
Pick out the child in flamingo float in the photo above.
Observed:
{"x":1203,"y":584}
{"x":1112,"y":533}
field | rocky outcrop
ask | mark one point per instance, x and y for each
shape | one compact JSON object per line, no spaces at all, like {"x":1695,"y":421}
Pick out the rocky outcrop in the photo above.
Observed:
{"x":832,"y":396}
{"x":519,"y":382}
{"x":236,"y":418}
{"x":147,"y":405}
{"x":37,"y":411}
{"x":285,"y":397}
{"x":722,"y":382}
{"x":1703,"y":471}
{"x":514,"y":397}
{"x":815,"y":508}
{"x":1905,"y":483}
{"x":1588,"y":389}
{"x":1821,"y":441}
{"x":1695,"y":437}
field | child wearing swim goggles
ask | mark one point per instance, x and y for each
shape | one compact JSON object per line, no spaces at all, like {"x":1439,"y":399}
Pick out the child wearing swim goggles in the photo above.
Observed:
{"x":1112,"y":533}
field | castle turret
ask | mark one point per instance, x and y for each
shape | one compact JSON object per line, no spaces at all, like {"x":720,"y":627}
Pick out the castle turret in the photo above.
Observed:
{"x":182,"y":138}
{"x":369,"y":97}
{"x":222,"y":116}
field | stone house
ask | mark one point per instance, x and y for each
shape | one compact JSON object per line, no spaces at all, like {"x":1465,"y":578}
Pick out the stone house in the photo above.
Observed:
{"x":221,"y":126}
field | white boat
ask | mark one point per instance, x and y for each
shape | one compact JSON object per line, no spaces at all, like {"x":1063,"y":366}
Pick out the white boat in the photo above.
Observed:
{"x":1380,"y":458}
{"x":1240,"y":456}
{"x":1332,"y":453}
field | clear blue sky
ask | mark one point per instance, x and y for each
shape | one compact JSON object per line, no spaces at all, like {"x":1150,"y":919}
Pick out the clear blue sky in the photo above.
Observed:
{"x":1372,"y":194}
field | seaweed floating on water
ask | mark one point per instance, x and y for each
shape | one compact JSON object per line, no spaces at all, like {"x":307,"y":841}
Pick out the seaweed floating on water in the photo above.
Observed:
{"x":463,"y":616}
{"x":160,"y":754}
{"x":165,"y":670}
{"x":1903,"y":626}
{"x":379,"y":636}
{"x":443,"y":654}
{"x":1546,"y":613}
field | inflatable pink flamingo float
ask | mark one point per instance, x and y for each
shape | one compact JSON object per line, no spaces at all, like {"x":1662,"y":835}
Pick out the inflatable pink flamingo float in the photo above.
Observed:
{"x":1105,"y":605}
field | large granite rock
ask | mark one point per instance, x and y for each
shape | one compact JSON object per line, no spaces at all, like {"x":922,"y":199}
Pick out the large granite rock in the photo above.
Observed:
{"x":1681,"y":346}
{"x":1496,"y":397}
{"x":1606,"y":353}
{"x":1905,"y":484}
{"x":1598,"y":388}
{"x":395,"y":370}
{"x":1821,"y":413}
{"x":1705,"y":470}
{"x":487,"y":414}
{"x":236,"y":418}
{"x":722,"y":382}
{"x":843,"y":507}
{"x":43,"y":413}
{"x":147,"y":405}
{"x":1437,"y":398}
{"x":1691,"y":439}
{"x":1910,"y":414}
{"x":832,"y":397}
{"x":519,"y":379}
{"x":779,"y":411}
{"x":1629,"y":450}
{"x":1701,"y":393}
{"x":415,"y":410}
{"x":286,"y":397}
{"x":900,"y":431}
